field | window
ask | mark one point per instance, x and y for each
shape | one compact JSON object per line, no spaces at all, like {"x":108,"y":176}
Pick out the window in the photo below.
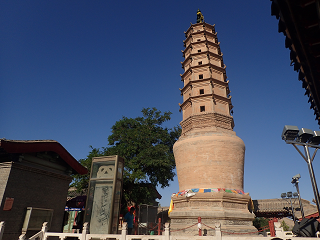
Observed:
{"x":34,"y":216}
{"x":200,"y":63}
{"x":201,"y":91}
{"x":198,"y":40}
{"x":201,"y":76}
{"x":199,"y":50}
{"x":202,"y":108}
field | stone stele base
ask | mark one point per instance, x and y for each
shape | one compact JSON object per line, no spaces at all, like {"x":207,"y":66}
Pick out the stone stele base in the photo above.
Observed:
{"x":228,"y":209}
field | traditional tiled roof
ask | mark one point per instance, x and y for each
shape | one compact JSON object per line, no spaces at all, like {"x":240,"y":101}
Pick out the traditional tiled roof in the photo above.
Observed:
{"x":33,"y":146}
{"x":282,"y":207}
{"x":299,"y":21}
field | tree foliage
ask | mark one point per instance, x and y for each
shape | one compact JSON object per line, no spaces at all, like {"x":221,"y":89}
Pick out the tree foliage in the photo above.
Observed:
{"x":285,"y":226}
{"x":261,"y":222}
{"x":81,"y":182}
{"x":146,"y":147}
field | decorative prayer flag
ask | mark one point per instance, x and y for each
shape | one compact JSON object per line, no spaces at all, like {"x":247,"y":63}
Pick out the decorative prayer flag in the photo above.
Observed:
{"x":170,"y":208}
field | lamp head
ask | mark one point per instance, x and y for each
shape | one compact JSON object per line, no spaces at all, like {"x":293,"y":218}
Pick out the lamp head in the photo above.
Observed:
{"x":295,"y":194}
{"x":289,"y":194}
{"x":283,"y":195}
{"x":296,"y":178}
{"x":289,"y":132}
{"x":316,"y":138}
{"x":304,"y":135}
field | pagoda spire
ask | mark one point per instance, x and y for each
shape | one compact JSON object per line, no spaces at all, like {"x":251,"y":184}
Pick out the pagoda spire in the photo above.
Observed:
{"x":200,"y":17}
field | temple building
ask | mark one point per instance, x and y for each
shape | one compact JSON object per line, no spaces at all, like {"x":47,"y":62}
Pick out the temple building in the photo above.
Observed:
{"x":34,"y":181}
{"x":209,"y":156}
{"x":299,"y":21}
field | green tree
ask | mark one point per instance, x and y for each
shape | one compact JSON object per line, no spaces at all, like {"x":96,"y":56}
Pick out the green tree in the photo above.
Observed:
{"x":80,"y":182}
{"x":146,"y":147}
{"x":261,"y":222}
{"x":285,"y":226}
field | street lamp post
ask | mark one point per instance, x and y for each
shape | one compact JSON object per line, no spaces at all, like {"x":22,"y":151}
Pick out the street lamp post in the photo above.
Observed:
{"x":308,"y":139}
{"x":295,"y":181}
{"x":289,"y":196}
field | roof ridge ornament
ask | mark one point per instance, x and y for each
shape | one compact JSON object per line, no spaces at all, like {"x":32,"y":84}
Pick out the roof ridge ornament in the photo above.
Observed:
{"x":200,"y":17}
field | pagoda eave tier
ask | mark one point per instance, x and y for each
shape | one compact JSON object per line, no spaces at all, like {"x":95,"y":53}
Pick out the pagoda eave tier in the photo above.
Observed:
{"x":194,"y":44}
{"x":211,"y":96}
{"x":199,"y":24}
{"x":212,"y":66}
{"x":211,"y":80}
{"x":202,"y":32}
{"x":200,"y":40}
{"x":206,"y":53}
{"x":206,"y":65}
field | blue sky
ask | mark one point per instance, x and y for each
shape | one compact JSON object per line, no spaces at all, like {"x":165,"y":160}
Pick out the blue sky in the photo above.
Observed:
{"x":70,"y":69}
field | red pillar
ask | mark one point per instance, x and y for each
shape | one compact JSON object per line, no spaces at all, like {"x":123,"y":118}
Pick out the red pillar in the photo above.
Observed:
{"x":159,"y":226}
{"x":271,"y":227}
{"x":135,"y":225}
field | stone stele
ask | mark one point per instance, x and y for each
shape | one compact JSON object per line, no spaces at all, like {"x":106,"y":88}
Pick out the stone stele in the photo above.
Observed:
{"x":209,"y":156}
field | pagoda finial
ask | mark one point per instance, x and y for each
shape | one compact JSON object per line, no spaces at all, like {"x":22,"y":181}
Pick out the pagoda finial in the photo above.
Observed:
{"x":199,"y":16}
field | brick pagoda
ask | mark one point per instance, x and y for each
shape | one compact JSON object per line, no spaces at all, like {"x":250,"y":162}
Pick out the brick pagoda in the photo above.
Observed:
{"x":209,"y":156}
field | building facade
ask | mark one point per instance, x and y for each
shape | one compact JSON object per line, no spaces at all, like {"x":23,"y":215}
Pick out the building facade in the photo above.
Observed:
{"x":34,"y":182}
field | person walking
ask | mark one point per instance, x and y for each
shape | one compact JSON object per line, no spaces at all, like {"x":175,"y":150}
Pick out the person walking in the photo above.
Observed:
{"x":129,"y":219}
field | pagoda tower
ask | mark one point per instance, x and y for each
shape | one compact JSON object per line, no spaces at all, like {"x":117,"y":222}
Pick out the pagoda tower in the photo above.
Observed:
{"x":209,"y":156}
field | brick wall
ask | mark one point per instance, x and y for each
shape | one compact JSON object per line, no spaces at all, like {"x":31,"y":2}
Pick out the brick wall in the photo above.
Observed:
{"x":4,"y":175}
{"x":32,"y":187}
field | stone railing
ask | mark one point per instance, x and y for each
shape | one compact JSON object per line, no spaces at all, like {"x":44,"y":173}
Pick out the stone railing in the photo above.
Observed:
{"x":45,"y":235}
{"x":1,"y":229}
